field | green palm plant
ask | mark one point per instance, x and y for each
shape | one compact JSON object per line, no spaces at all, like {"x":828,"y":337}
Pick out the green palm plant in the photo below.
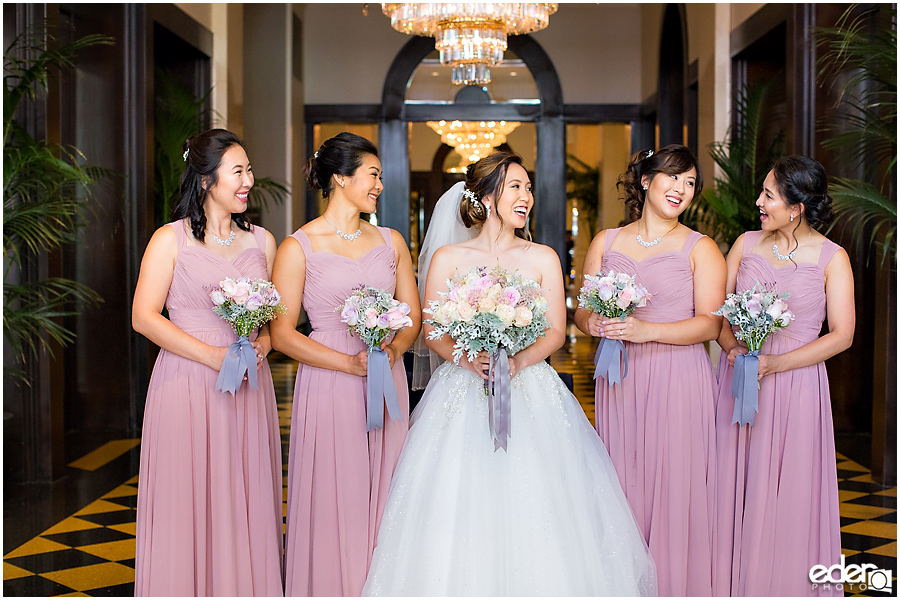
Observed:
{"x":46,"y":189}
{"x":726,"y":210}
{"x":178,"y":115}
{"x":863,"y":131}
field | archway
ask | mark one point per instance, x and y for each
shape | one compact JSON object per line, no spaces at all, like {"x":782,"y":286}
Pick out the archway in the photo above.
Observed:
{"x":550,"y":166}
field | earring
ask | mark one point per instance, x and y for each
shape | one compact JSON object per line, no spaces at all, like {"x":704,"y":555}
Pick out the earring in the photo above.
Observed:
{"x":792,"y":218}
{"x":645,"y":187}
{"x":342,"y":184}
{"x":488,"y":211}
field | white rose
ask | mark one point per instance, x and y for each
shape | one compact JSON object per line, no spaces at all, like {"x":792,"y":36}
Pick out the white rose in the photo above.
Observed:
{"x":523,"y":317}
{"x":506,"y":313}
{"x":465,"y":311}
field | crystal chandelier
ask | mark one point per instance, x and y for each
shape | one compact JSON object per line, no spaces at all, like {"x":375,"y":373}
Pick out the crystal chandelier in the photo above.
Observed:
{"x":471,"y":37}
{"x":472,"y":140}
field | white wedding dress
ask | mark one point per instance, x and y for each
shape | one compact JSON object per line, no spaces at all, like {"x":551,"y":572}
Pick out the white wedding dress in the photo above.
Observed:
{"x":547,"y":517}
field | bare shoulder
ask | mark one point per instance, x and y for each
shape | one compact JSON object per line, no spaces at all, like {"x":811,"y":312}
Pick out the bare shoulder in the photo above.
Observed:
{"x":706,"y":247}
{"x":545,"y":254}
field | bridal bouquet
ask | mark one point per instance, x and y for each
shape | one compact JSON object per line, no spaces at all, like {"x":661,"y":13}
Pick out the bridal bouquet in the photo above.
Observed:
{"x":614,"y":295}
{"x":756,"y":313}
{"x":373,"y":315}
{"x":246,"y":305}
{"x":495,"y":311}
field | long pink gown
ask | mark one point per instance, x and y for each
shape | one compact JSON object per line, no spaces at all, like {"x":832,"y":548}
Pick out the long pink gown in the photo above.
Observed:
{"x":209,"y":493}
{"x":778,"y":512}
{"x":659,"y":426}
{"x":339,"y":476}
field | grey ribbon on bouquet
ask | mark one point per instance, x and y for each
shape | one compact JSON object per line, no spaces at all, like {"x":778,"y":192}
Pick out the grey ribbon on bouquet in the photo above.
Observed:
{"x":606,"y":361}
{"x":745,"y":388}
{"x":499,"y":391}
{"x":240,"y":358}
{"x":380,"y":390}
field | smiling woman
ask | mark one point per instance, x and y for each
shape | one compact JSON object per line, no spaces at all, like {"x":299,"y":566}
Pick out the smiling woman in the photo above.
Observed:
{"x":339,"y":474}
{"x":658,"y":423}
{"x":209,"y":499}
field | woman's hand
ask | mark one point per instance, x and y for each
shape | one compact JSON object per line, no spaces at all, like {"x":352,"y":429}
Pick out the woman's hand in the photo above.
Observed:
{"x":629,"y":330}
{"x":358,"y":363}
{"x":595,"y":324}
{"x":513,"y":367}
{"x":769,"y":364}
{"x":480,"y":366}
{"x":736,"y":350}
{"x":392,"y":353}
{"x":261,"y":353}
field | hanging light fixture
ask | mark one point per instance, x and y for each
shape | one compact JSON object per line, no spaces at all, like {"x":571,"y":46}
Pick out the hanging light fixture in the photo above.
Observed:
{"x":471,"y":37}
{"x":472,"y":140}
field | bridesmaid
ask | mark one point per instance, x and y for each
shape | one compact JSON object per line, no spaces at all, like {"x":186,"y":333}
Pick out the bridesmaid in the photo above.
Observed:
{"x":339,"y":476}
{"x":209,"y":495}
{"x":777,"y":480}
{"x":658,"y":425}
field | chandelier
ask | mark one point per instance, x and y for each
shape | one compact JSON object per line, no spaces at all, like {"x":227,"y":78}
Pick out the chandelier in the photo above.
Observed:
{"x":471,"y":37}
{"x":472,"y":140}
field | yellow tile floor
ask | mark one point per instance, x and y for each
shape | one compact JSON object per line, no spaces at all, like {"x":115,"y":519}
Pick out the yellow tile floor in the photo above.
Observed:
{"x":91,"y":551}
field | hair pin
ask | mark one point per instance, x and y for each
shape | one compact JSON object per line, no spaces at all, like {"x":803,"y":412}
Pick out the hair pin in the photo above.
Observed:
{"x":316,"y":154}
{"x":470,"y":195}
{"x":185,"y":155}
{"x":649,"y":153}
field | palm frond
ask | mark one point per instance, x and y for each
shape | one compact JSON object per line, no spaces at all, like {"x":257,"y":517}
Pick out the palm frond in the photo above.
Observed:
{"x":32,"y":309}
{"x":862,"y":208}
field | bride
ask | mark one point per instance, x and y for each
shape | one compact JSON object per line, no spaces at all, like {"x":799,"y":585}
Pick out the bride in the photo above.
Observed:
{"x":546,"y":516}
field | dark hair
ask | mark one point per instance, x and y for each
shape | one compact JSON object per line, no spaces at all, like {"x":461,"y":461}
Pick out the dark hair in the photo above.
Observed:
{"x":340,"y":155}
{"x":203,"y":156}
{"x":802,"y":180}
{"x":486,"y":178}
{"x":674,"y":159}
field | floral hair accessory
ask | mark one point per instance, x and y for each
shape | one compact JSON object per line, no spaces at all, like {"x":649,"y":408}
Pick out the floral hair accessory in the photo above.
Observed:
{"x":471,"y":196}
{"x":649,"y":153}
{"x":316,"y":154}
{"x":185,"y":155}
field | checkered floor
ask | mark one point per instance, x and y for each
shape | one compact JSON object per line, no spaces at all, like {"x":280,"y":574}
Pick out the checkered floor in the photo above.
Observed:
{"x":91,"y":552}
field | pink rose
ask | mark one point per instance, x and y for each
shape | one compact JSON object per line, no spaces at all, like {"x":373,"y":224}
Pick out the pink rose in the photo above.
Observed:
{"x":241,"y":291}
{"x":371,"y":318}
{"x":776,"y":308}
{"x":641,"y":296}
{"x":623,"y":278}
{"x":510,"y":296}
{"x":625,"y":297}
{"x":228,"y":286}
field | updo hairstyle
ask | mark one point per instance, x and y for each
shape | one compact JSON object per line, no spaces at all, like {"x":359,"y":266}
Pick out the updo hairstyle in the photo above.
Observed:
{"x":674,"y":159}
{"x":203,"y":155}
{"x":340,"y":155}
{"x":802,"y":180}
{"x":486,"y":178}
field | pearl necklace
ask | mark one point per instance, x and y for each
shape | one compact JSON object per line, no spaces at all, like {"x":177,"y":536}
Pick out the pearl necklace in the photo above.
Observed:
{"x":225,"y":242}
{"x":791,"y":254}
{"x":347,"y":236}
{"x":641,"y":241}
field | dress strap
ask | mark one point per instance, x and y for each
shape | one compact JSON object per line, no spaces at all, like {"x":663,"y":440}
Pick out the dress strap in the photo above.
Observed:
{"x":180,"y":234}
{"x":828,"y":250}
{"x":691,"y":241}
{"x":301,"y":237}
{"x":610,"y":236}
{"x":259,"y":234}
{"x":386,"y":234}
{"x":750,"y":240}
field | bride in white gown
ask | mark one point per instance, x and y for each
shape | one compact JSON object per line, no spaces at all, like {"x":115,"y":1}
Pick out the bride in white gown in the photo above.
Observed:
{"x":546,"y":517}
